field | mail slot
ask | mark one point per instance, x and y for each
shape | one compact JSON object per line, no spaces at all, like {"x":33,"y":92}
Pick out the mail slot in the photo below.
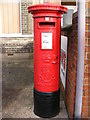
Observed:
{"x":47,"y":30}
{"x":47,"y":24}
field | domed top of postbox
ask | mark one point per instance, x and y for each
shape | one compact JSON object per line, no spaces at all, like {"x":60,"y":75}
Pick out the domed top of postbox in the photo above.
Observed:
{"x":46,"y":8}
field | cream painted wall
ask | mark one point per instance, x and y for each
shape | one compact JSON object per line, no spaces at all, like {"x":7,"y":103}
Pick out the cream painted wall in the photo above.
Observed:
{"x":54,"y":1}
{"x":50,"y":1}
{"x":36,"y":2}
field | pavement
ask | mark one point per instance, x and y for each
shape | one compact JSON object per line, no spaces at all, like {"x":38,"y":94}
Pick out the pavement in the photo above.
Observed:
{"x":17,"y":87}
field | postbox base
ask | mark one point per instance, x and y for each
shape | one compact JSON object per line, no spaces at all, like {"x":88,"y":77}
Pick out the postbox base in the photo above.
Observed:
{"x":46,"y":105}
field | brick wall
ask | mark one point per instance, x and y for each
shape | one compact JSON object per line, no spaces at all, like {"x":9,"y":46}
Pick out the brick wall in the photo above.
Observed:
{"x":69,"y":94}
{"x":27,"y":21}
{"x":86,"y":83}
{"x":17,"y":45}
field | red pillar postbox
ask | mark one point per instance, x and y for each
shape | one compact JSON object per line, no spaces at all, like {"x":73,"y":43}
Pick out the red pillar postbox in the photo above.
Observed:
{"x":47,"y":30}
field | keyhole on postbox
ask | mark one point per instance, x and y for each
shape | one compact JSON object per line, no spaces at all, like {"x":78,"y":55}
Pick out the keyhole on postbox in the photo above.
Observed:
{"x":55,"y":60}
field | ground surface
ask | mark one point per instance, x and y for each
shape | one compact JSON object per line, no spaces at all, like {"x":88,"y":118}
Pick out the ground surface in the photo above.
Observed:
{"x":17,"y":88}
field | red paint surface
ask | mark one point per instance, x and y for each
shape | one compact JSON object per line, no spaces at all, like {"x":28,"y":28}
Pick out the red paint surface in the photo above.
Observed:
{"x":47,"y":62}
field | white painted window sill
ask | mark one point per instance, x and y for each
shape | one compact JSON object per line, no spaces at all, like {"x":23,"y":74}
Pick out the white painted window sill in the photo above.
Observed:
{"x":15,"y":35}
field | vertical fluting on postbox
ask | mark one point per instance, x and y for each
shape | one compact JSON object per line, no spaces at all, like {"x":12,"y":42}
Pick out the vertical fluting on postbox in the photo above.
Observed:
{"x":47,"y":31}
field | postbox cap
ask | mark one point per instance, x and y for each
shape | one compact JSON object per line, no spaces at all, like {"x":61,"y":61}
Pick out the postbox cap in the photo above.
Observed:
{"x":47,"y":7}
